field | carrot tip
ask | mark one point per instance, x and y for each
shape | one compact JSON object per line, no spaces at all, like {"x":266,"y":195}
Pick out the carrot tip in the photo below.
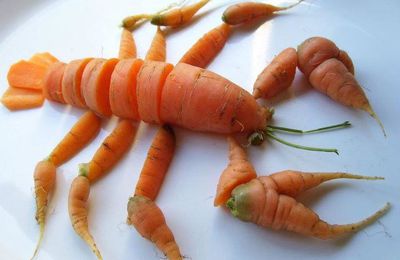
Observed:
{"x":372,"y":113}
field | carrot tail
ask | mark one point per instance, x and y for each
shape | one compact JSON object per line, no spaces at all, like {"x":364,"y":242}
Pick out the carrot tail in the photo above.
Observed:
{"x":372,"y":113}
{"x":289,"y":6}
{"x":323,"y":230}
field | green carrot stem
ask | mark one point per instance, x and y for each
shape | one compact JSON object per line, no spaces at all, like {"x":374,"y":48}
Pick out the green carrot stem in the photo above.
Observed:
{"x":272,"y":128}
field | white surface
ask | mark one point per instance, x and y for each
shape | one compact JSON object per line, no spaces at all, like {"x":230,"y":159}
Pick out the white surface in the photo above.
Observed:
{"x":75,"y":29}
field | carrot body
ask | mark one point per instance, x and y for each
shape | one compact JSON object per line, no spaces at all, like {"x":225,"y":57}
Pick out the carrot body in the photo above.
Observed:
{"x":277,"y":76}
{"x":177,"y":17}
{"x":78,"y":211}
{"x":157,"y":50}
{"x":26,"y":74}
{"x":207,"y":47}
{"x":20,"y":98}
{"x":346,"y":60}
{"x":149,"y":221}
{"x":52,"y":86}
{"x":78,"y":137}
{"x":155,"y":167}
{"x":44,"y":59}
{"x":110,"y":152}
{"x":96,"y":84}
{"x":238,"y":171}
{"x":127,"y":47}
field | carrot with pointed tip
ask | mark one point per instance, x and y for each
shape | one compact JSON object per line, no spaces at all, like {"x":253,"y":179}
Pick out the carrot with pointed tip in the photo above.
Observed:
{"x":127,"y":46}
{"x":207,"y":47}
{"x":248,"y":11}
{"x":149,"y":221}
{"x":277,"y":76}
{"x":238,"y":171}
{"x":157,"y":50}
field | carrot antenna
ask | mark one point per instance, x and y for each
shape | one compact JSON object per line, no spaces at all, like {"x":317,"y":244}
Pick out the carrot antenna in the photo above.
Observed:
{"x":272,"y":128}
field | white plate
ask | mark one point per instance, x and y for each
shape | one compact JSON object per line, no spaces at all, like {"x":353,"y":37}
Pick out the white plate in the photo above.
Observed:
{"x":75,"y":29}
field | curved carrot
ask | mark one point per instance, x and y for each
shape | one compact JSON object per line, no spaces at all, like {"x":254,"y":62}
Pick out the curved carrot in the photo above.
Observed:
{"x":127,"y":46}
{"x":26,"y":74}
{"x":155,"y":167}
{"x":20,"y":98}
{"x":207,"y":47}
{"x":149,"y":221}
{"x":277,"y":76}
{"x":157,"y":50}
{"x":238,"y":171}
{"x":52,"y":84}
{"x":248,"y":11}
{"x":78,"y":211}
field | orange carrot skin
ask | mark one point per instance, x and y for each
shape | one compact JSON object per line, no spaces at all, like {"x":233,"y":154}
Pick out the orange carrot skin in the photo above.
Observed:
{"x":127,"y":48}
{"x":44,"y":179}
{"x":238,"y":171}
{"x":52,"y":86}
{"x":157,"y":50}
{"x":87,"y":127}
{"x":346,"y":60}
{"x":26,"y":74}
{"x":248,"y":11}
{"x":157,"y":162}
{"x":205,"y":49}
{"x":20,"y":98}
{"x":149,"y":221}
{"x":277,"y":76}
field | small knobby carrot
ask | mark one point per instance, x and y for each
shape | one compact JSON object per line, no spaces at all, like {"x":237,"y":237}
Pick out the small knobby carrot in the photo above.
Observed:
{"x":20,"y":98}
{"x":207,"y":47}
{"x":149,"y":221}
{"x":238,"y":171}
{"x":155,"y":167}
{"x":277,"y":76}
{"x":258,"y":202}
{"x":127,"y":46}
{"x":110,"y":152}
{"x":248,"y":11}
{"x":157,"y":50}
{"x":78,"y":211}
{"x":179,"y":16}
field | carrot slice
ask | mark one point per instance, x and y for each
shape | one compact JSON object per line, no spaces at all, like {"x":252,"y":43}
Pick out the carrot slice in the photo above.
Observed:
{"x":123,"y":99}
{"x":44,"y":59}
{"x":18,"y":98}
{"x":150,"y":82}
{"x":95,"y":85}
{"x":71,"y":83}
{"x":26,"y":74}
{"x":52,"y":87}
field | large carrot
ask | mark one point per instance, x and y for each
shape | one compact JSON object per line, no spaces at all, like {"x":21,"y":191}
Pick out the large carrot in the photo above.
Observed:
{"x":157,"y":50}
{"x":179,"y":16}
{"x":20,"y":98}
{"x":207,"y":47}
{"x":252,"y":202}
{"x":78,"y":211}
{"x":248,"y":11}
{"x":127,"y":46}
{"x":238,"y":171}
{"x":149,"y":221}
{"x":277,"y":76}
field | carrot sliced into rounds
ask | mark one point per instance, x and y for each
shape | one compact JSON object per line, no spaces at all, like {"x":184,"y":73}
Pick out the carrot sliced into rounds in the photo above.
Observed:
{"x":95,"y":85}
{"x":71,"y":83}
{"x":19,"y":98}
{"x":44,"y":59}
{"x":52,"y":87}
{"x":123,"y":99}
{"x":127,"y":47}
{"x":150,"y":83}
{"x":157,"y":50}
{"x":26,"y":74}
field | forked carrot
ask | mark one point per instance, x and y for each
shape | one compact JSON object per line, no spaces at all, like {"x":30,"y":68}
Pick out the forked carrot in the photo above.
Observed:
{"x":157,"y":162}
{"x":178,"y":16}
{"x":26,"y":74}
{"x":248,"y":11}
{"x":277,"y":76}
{"x":52,"y":83}
{"x":78,"y":211}
{"x":127,"y":46}
{"x":207,"y":47}
{"x":157,"y":50}
{"x":238,"y":171}
{"x":149,"y":221}
{"x":21,"y":98}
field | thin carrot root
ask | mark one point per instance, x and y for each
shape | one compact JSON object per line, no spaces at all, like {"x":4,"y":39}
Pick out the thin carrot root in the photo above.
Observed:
{"x":372,"y":113}
{"x":78,"y":212}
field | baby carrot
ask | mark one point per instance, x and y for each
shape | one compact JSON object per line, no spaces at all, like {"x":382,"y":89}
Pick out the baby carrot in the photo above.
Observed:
{"x":157,"y":50}
{"x":127,"y":46}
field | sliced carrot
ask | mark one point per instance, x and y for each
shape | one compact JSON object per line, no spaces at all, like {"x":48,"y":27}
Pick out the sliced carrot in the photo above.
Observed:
{"x":123,"y":99}
{"x":19,"y":98}
{"x":26,"y":74}
{"x":44,"y":59}
{"x":52,"y":84}
{"x":150,"y":82}
{"x":95,"y":85}
{"x":71,"y":83}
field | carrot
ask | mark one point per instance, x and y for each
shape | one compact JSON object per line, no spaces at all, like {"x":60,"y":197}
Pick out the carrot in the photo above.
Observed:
{"x":179,"y":16}
{"x":346,"y":60}
{"x":256,"y":202}
{"x":71,"y":82}
{"x":44,"y":59}
{"x":127,"y":47}
{"x":207,"y":47}
{"x":277,"y":76}
{"x":238,"y":171}
{"x":157,"y":162}
{"x":78,"y":211}
{"x":157,"y":50}
{"x":81,"y":133}
{"x":248,"y":11}
{"x":110,"y":152}
{"x":20,"y":98}
{"x":96,"y":84}
{"x":44,"y":179}
{"x":26,"y":74}
{"x":200,"y":100}
{"x":52,"y":84}
{"x":332,"y":78}
{"x":149,"y":221}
